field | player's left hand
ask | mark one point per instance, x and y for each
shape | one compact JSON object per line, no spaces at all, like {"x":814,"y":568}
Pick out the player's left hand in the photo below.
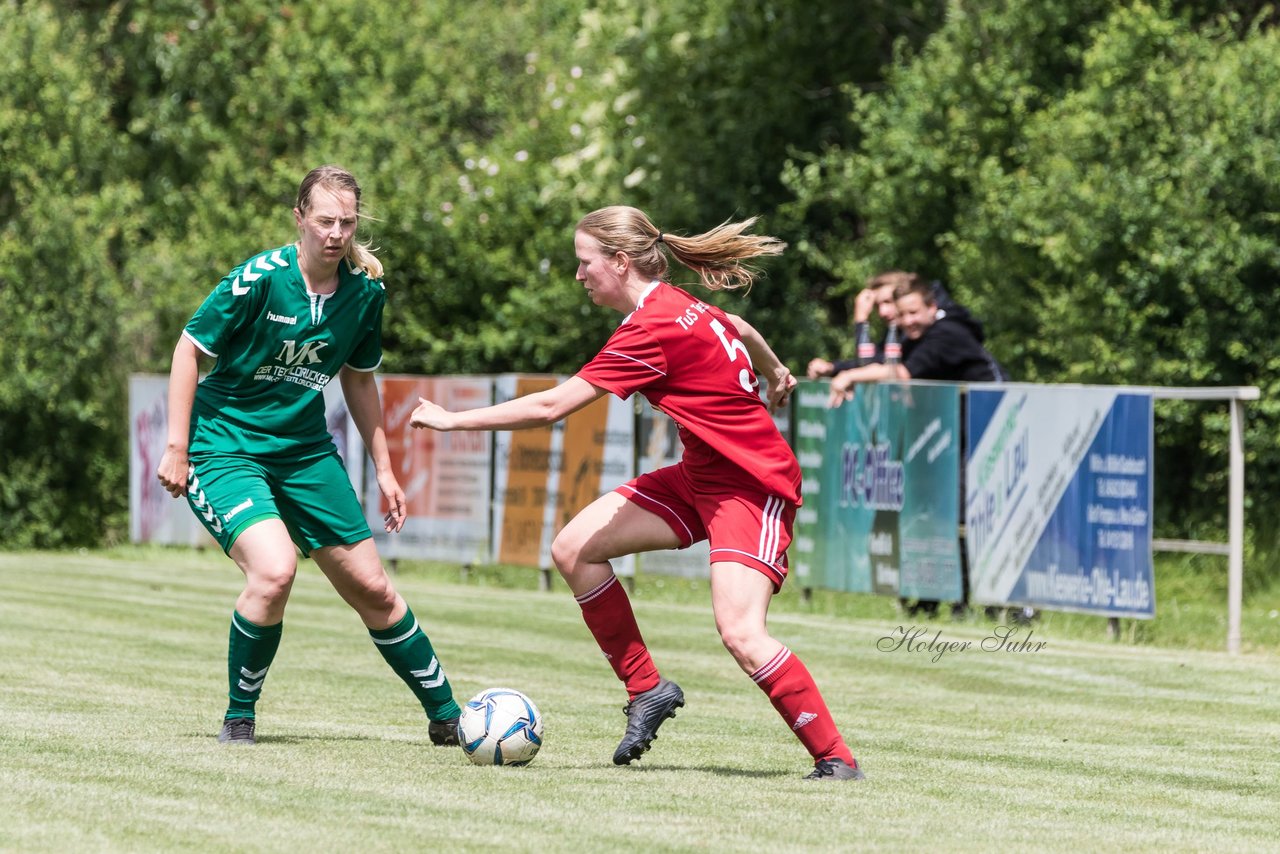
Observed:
{"x":780,"y":388}
{"x":393,"y":521}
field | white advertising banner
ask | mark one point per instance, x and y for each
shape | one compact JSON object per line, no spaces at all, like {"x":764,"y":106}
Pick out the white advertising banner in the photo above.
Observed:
{"x":155,"y":516}
{"x":445,"y":476}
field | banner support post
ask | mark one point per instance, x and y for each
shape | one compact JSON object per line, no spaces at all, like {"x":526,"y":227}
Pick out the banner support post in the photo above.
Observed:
{"x":1235,"y":527}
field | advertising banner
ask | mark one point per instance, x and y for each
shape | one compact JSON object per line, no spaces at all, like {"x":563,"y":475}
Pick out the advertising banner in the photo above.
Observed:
{"x":881,"y":490}
{"x":157,"y":517}
{"x":1058,"y":499}
{"x":544,"y":476}
{"x":929,"y":521}
{"x":445,"y":476}
{"x":807,"y":554}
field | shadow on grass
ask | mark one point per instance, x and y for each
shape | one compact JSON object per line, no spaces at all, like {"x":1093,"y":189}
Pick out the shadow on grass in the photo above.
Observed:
{"x":718,"y":770}
{"x":289,"y":738}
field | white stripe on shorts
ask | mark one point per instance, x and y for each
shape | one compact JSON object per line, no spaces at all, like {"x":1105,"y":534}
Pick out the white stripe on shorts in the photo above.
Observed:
{"x":770,"y":529}
{"x":640,"y":494}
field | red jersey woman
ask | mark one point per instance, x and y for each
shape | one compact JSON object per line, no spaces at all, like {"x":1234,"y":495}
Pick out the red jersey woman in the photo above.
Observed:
{"x":737,"y":485}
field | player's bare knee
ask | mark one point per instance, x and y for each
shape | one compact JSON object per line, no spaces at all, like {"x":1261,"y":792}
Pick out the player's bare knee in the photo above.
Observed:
{"x":738,"y":638}
{"x":272,"y":581}
{"x":566,"y":552}
{"x":379,"y":594}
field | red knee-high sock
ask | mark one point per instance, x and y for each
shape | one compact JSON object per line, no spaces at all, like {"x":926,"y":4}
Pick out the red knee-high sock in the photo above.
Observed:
{"x":607,"y":612}
{"x":795,"y":695}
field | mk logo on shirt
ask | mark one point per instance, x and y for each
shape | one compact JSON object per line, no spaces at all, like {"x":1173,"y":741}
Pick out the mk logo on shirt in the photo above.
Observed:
{"x":308,"y":354}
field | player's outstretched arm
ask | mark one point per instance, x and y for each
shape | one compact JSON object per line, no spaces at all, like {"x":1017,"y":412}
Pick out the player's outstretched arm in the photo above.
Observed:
{"x":360,"y":390}
{"x":532,"y":410}
{"x":764,"y":360}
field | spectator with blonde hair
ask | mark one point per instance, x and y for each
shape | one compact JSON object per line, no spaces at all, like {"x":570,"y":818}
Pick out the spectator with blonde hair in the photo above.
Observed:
{"x":877,"y":296}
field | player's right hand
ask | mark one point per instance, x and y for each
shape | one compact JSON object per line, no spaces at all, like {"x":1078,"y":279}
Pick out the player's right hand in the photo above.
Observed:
{"x":431,"y":416}
{"x":174,"y":472}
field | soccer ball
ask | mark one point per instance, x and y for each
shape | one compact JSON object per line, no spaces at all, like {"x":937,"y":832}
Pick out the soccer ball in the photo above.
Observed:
{"x":500,"y":726}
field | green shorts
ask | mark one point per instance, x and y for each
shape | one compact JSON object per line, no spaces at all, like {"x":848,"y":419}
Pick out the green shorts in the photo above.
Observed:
{"x":312,"y":495}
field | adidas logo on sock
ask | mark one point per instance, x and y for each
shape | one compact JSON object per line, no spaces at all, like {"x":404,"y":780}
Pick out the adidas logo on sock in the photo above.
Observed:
{"x":805,"y":718}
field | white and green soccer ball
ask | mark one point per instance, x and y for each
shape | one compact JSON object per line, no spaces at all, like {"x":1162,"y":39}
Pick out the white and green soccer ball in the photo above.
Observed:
{"x":500,"y":726}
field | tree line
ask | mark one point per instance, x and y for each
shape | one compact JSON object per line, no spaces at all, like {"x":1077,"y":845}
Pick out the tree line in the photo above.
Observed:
{"x":1096,"y":180}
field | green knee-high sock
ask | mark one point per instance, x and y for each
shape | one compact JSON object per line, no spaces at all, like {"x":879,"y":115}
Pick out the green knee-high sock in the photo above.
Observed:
{"x":250,"y":652}
{"x":408,"y":650}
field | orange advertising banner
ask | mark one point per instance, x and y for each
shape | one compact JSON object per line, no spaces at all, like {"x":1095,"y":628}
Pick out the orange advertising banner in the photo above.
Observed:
{"x":581,"y":461}
{"x":524,"y":498}
{"x":543,"y":477}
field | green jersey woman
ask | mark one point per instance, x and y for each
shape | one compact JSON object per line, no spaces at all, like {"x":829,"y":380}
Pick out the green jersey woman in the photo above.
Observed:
{"x":249,"y":448}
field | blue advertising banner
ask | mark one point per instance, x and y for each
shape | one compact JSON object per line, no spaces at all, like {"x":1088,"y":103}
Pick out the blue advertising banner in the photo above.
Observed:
{"x":881,"y":490}
{"x":1058,"y":499}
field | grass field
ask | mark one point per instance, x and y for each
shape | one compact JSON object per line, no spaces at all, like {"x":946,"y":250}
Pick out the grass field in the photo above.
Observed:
{"x":113,"y":683}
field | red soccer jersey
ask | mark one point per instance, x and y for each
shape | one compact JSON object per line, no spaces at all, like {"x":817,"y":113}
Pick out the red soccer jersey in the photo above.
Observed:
{"x":686,"y":358}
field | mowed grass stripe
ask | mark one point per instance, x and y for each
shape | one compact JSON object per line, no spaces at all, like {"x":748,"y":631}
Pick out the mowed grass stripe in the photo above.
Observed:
{"x":114,"y":678}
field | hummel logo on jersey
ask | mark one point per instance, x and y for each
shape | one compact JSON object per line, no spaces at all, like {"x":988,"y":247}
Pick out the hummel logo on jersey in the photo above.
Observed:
{"x":308,"y":354}
{"x":271,"y":315}
{"x":197,"y":498}
{"x":805,"y":718}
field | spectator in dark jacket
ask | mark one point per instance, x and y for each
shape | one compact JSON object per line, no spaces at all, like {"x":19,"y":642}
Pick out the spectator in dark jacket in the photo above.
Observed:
{"x":938,"y":344}
{"x":878,"y":298}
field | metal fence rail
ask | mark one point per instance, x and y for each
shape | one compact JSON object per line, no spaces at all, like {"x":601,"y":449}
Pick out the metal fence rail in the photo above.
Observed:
{"x":1233,"y":548}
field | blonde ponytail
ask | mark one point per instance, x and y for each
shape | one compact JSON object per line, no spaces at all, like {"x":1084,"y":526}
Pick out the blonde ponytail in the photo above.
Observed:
{"x":717,"y":255}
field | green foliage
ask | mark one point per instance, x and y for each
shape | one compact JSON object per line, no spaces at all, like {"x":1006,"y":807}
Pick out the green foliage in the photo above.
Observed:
{"x":69,"y":212}
{"x":699,"y":105}
{"x":1096,"y":178}
{"x":1140,"y":225}
{"x":1098,"y":181}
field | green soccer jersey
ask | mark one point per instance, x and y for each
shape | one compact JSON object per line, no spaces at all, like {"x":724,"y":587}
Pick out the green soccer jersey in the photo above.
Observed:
{"x":278,"y":345}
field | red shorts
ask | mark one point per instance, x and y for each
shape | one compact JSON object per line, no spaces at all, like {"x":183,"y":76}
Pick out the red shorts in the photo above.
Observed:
{"x":744,"y":526}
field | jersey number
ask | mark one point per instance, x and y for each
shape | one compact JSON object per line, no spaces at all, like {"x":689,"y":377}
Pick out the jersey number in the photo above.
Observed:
{"x":746,"y":376}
